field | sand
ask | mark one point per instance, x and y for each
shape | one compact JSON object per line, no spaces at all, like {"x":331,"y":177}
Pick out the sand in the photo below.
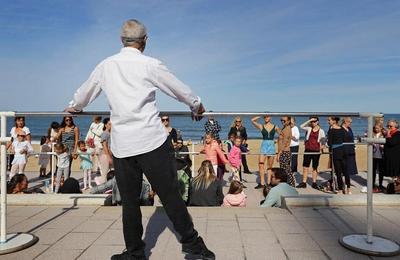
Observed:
{"x":254,"y":146}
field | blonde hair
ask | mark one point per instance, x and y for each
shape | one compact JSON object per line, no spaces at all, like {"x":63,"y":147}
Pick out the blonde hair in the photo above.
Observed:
{"x":205,"y":176}
{"x":347,"y":118}
{"x":234,"y":121}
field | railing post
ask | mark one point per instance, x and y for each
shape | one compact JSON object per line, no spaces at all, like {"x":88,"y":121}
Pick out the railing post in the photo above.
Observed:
{"x":3,"y":176}
{"x":193,"y":158}
{"x":369,"y":182}
{"x":53,"y":167}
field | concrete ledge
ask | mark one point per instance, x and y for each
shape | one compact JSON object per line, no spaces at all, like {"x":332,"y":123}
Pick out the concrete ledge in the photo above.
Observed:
{"x":55,"y":199}
{"x":339,"y":200}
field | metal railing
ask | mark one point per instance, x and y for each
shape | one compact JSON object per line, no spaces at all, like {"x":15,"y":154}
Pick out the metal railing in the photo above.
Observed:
{"x":371,"y":140}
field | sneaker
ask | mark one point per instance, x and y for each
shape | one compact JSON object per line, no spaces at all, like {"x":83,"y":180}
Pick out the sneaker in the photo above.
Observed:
{"x":126,"y":256}
{"x":198,"y":249}
{"x":259,"y":186}
{"x":248,"y":173}
{"x":302,"y":185}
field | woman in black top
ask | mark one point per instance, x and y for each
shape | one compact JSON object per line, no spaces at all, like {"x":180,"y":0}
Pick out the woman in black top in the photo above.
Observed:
{"x":350,"y":149}
{"x":206,"y":189}
{"x":336,"y":136}
{"x":171,"y":131}
{"x":239,"y":130}
{"x":391,"y":150}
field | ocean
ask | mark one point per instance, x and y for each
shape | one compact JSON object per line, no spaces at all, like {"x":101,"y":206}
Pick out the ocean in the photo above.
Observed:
{"x":188,"y":128}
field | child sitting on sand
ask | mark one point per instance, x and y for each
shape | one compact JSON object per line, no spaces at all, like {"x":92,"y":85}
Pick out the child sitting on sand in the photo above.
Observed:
{"x":235,"y":196}
{"x":86,"y":157}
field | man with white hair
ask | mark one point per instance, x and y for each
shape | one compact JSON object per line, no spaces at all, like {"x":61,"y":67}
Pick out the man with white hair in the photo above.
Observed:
{"x":139,"y":141}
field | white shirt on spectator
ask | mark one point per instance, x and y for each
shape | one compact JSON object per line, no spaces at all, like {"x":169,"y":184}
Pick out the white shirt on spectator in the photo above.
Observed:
{"x":95,"y":131}
{"x":129,"y":80}
{"x":296,"y":135}
{"x":14,"y":133}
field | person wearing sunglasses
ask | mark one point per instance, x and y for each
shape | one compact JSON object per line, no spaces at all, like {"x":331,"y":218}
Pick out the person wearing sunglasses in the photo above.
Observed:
{"x":19,"y":127}
{"x":391,"y":150}
{"x":313,"y":145}
{"x":139,"y":142}
{"x":284,"y":156}
{"x":173,"y":134}
{"x":239,"y":130}
{"x":68,"y":135}
{"x":350,"y":149}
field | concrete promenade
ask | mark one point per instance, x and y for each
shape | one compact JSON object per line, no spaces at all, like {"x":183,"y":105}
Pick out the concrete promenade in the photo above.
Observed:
{"x":95,"y":232}
{"x":86,"y":232}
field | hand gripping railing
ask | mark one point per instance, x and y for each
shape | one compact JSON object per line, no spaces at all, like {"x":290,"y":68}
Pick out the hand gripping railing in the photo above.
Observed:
{"x":367,"y":244}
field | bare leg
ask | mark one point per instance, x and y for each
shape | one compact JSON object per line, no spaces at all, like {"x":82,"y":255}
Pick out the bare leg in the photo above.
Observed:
{"x":314,"y":175}
{"x":305,"y":174}
{"x":270,"y":163}
{"x":261,"y":168}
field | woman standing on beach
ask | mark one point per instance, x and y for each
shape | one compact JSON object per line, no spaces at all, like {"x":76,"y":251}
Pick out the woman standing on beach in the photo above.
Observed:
{"x":239,"y":130}
{"x":392,"y":150}
{"x":336,"y":136}
{"x":313,"y":145}
{"x":105,"y":156}
{"x":294,"y":144}
{"x":19,"y":128}
{"x":349,"y":147}
{"x":94,"y":134}
{"x":378,"y":161}
{"x":267,"y":149}
{"x":284,"y":155}
{"x":69,"y":136}
{"x":171,"y":131}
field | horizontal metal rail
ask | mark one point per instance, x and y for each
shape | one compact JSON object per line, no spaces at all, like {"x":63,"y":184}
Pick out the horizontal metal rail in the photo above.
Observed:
{"x":209,"y":113}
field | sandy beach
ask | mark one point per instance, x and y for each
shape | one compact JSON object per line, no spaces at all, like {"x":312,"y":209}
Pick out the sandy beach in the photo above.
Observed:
{"x":254,"y":145}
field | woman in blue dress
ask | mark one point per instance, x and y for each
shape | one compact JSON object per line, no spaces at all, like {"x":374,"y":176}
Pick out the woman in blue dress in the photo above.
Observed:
{"x":267,"y":149}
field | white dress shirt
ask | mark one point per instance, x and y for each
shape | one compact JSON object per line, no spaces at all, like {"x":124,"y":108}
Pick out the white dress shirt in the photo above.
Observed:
{"x":129,"y":80}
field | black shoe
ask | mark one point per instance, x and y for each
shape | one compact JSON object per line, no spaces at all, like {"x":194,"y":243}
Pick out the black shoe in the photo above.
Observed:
{"x":248,"y":173}
{"x":259,"y":186}
{"x":126,"y":256}
{"x":302,"y":185}
{"x":316,"y":186}
{"x":198,"y":249}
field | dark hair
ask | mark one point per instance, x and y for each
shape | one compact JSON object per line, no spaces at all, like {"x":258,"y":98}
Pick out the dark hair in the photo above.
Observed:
{"x":63,"y":124}
{"x":15,"y":180}
{"x":110,"y":175}
{"x":18,"y":118}
{"x":81,"y":142}
{"x":97,"y":118}
{"x":105,"y":121}
{"x":335,"y":118}
{"x":71,"y":185}
{"x":315,"y":117}
{"x":55,"y":125}
{"x":279,"y":174}
{"x":235,"y":188}
{"x":60,"y":146}
{"x":43,"y":140}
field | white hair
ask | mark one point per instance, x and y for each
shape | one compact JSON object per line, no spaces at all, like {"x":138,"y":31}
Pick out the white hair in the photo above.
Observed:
{"x":396,"y":123}
{"x":133,"y":31}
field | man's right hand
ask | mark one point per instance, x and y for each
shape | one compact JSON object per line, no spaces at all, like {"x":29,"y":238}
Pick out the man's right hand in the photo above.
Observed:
{"x":199,"y":115}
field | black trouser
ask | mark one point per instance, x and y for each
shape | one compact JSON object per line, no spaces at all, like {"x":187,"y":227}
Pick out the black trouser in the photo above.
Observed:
{"x":377,"y":165}
{"x":293,"y":164}
{"x":339,"y":164}
{"x":244,"y":163}
{"x":159,"y":166}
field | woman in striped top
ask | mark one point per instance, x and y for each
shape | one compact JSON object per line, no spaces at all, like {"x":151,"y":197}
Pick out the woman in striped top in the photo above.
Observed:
{"x":69,"y":136}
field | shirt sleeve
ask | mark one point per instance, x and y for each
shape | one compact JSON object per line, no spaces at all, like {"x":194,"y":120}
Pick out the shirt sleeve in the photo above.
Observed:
{"x":296,"y":133}
{"x":173,"y":87}
{"x":26,"y":130}
{"x":270,"y":200}
{"x":89,"y":90}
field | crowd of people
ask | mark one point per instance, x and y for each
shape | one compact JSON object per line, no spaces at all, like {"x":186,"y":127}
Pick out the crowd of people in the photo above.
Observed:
{"x":279,"y":143}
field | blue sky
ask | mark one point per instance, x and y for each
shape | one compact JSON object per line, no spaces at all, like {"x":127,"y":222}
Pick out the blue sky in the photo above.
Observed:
{"x":237,"y":55}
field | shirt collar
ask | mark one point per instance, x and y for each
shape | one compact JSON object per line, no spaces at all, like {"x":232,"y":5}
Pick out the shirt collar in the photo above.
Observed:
{"x":130,"y":49}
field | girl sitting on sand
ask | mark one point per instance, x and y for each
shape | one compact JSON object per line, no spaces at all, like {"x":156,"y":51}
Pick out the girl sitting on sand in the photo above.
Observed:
{"x":86,"y":156}
{"x":21,"y":149}
{"x":235,"y":196}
